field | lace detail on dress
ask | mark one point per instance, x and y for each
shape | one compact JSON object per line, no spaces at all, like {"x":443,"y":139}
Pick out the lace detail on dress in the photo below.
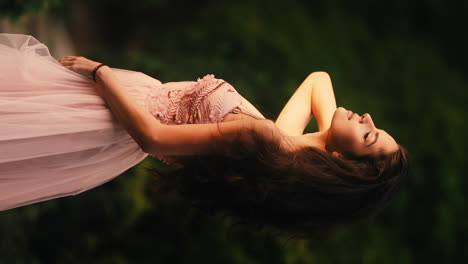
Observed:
{"x":207,"y":100}
{"x":185,"y":106}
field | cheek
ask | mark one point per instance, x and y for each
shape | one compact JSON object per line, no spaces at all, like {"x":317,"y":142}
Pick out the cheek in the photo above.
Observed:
{"x":344,"y":135}
{"x":348,"y":140}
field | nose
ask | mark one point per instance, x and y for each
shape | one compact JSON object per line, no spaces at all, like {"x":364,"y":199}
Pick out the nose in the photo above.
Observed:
{"x":366,"y":118}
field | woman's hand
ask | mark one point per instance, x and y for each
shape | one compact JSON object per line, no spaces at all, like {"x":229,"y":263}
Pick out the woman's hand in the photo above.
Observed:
{"x":80,"y":65}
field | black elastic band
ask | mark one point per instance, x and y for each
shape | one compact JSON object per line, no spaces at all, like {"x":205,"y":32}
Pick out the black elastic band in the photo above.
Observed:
{"x":93,"y":73}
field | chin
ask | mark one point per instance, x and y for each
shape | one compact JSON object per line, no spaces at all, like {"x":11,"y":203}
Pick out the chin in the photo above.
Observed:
{"x":340,"y":112}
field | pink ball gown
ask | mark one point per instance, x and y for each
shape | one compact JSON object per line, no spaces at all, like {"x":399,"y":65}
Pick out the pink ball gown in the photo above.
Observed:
{"x":57,"y":136}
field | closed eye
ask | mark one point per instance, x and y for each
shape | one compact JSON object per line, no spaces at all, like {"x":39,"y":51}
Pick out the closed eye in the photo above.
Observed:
{"x":366,"y":135}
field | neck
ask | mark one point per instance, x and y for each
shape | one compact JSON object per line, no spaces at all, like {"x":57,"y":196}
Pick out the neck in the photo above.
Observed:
{"x":316,"y":140}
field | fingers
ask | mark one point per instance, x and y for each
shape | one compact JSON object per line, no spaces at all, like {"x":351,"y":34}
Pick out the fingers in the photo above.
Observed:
{"x":66,"y":62}
{"x":78,"y":64}
{"x":68,"y":58}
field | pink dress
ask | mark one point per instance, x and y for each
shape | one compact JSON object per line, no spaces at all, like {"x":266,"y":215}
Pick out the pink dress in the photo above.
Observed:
{"x":57,"y":136}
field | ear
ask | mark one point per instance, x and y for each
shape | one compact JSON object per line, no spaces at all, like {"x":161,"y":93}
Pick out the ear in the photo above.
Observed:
{"x":337,"y":154}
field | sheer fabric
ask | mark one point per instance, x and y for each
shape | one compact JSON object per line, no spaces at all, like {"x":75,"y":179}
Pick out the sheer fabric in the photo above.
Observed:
{"x":58,"y":137}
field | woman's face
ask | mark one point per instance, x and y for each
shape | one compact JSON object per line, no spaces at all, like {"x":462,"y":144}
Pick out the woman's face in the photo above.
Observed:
{"x":351,"y":133}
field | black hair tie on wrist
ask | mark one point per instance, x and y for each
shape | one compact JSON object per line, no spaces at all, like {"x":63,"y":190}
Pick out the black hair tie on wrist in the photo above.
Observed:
{"x":93,"y":73}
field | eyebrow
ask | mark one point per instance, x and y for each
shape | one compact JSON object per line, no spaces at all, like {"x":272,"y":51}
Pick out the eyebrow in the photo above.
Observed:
{"x":376,"y":137}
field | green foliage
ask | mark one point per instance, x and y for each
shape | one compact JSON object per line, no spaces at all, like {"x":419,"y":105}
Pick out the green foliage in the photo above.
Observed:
{"x":393,"y":69}
{"x":13,"y":9}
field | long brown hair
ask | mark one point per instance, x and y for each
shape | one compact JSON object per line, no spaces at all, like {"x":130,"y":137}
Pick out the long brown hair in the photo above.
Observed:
{"x":304,"y":194}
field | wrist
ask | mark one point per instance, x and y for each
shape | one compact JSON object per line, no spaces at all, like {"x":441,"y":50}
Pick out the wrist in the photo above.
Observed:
{"x":102,"y":71}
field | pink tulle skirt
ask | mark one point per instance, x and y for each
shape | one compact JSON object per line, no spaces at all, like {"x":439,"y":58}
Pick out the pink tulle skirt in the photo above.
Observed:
{"x":57,"y":136}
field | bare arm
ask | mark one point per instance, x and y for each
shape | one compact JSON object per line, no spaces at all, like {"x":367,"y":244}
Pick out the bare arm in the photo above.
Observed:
{"x":156,"y":138}
{"x":314,"y":97}
{"x":199,"y":139}
{"x":159,"y":139}
{"x":134,"y":118}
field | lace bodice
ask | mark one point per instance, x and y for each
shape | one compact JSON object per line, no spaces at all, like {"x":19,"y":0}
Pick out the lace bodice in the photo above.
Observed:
{"x":207,"y":100}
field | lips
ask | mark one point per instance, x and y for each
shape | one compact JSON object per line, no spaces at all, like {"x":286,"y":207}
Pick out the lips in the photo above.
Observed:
{"x":350,"y":114}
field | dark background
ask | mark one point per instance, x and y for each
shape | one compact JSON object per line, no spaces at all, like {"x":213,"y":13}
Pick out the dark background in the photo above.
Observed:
{"x":402,"y":61}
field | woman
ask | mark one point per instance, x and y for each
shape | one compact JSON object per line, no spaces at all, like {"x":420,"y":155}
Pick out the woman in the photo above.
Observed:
{"x":72,"y":125}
